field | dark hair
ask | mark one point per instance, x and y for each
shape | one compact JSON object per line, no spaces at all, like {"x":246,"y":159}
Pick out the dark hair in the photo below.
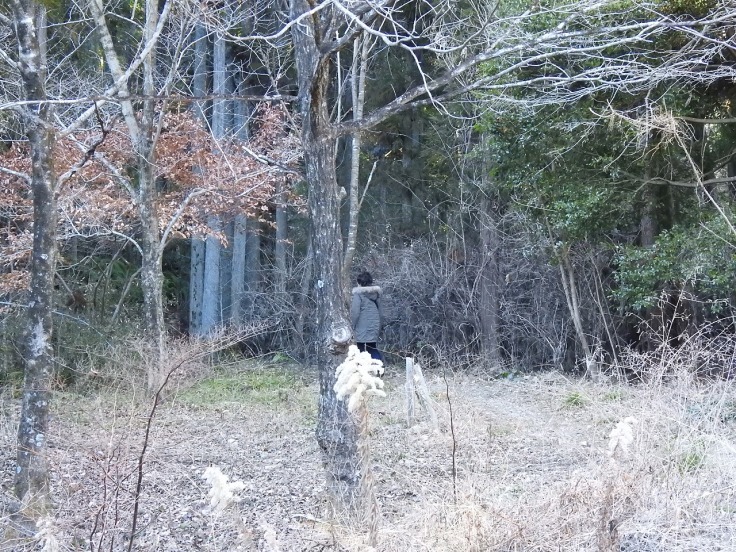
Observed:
{"x":365,"y":278}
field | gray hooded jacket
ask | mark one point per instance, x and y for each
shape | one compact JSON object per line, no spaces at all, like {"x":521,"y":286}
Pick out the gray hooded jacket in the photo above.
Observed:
{"x":365,"y":313}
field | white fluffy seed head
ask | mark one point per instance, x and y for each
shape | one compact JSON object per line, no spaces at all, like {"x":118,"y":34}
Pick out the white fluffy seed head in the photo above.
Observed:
{"x":358,"y":377}
{"x":221,"y":493}
{"x":621,"y":437}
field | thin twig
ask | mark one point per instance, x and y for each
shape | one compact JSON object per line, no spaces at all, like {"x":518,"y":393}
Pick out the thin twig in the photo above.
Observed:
{"x":452,"y":433}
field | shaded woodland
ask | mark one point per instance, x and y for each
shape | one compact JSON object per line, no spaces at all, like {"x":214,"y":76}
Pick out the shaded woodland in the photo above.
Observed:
{"x":533,"y":186}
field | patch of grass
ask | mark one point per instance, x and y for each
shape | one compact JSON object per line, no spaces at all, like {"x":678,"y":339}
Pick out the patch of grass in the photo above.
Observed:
{"x":615,"y":395}
{"x":691,"y":460}
{"x":281,"y":358}
{"x":574,"y":400}
{"x":265,"y":386}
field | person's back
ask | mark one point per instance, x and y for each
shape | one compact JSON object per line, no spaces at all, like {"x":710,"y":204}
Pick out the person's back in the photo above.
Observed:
{"x":365,"y":313}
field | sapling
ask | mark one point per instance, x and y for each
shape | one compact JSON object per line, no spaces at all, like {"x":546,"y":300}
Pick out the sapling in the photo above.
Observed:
{"x":358,"y":378}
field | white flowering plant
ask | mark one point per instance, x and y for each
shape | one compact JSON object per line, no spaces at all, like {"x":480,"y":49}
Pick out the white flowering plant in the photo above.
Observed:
{"x":359,"y":376}
{"x":621,"y":437}
{"x":222,"y":493}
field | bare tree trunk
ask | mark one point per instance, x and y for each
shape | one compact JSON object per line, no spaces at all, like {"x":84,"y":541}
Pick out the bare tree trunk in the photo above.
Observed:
{"x":489,"y":284}
{"x":199,"y":80}
{"x":570,"y":288}
{"x":360,"y":61}
{"x":211,"y":290}
{"x":142,"y":131}
{"x":31,"y":475}
{"x":252,"y":263}
{"x":647,"y":224}
{"x":237,"y":286}
{"x":219,"y":87}
{"x":152,"y":278}
{"x":647,"y":236}
{"x":336,"y":428}
{"x":281,"y":237}
{"x":196,"y":285}
{"x":410,"y":167}
{"x":304,"y":296}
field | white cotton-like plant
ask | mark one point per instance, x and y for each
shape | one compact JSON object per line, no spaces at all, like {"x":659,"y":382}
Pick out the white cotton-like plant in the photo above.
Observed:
{"x":621,"y":437}
{"x":358,"y":376}
{"x":222,"y":493}
{"x":46,"y":536}
{"x":269,"y":542}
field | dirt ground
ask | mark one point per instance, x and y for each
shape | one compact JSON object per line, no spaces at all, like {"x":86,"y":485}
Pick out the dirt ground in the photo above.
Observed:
{"x":518,"y":463}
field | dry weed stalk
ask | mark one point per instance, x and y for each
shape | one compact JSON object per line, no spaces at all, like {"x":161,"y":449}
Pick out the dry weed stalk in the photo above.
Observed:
{"x":178,"y":355}
{"x":619,"y":444}
{"x":358,"y":377}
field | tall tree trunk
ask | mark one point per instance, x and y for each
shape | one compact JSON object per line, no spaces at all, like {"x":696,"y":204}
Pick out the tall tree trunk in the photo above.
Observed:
{"x":410,"y":167}
{"x":142,"y":131}
{"x":152,"y":279}
{"x":197,"y":251}
{"x":304,"y":303}
{"x":31,"y":475}
{"x":650,"y":326}
{"x":489,"y":284}
{"x":237,"y":286}
{"x":569,"y":285}
{"x":219,"y":87}
{"x":648,"y":224}
{"x":252,"y":264}
{"x":196,"y":285}
{"x":281,"y":237}
{"x":336,"y":428}
{"x":211,"y":292}
{"x":360,"y":61}
{"x":199,"y":80}
{"x":242,"y":109}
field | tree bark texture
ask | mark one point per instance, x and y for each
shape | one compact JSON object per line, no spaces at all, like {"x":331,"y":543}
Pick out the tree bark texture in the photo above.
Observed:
{"x":336,"y":428}
{"x":199,"y":79}
{"x":31,"y":476}
{"x":281,"y":237}
{"x":211,"y":290}
{"x":196,"y":285}
{"x":360,"y":62}
{"x":220,"y":119}
{"x":490,"y":287}
{"x":152,"y":278}
{"x":237,"y":285}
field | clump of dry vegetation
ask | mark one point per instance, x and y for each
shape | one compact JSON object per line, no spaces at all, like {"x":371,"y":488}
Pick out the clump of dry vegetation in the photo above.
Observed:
{"x":541,"y":462}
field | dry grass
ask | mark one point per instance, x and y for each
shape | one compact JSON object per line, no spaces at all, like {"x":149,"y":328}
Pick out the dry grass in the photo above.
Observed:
{"x":533,"y":471}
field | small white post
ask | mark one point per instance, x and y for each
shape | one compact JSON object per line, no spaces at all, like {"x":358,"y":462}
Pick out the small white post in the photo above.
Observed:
{"x":416,"y":385}
{"x":409,"y":388}
{"x":424,"y":397}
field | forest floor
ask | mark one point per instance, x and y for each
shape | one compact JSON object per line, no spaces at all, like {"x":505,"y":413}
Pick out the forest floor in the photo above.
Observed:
{"x":517,"y":464}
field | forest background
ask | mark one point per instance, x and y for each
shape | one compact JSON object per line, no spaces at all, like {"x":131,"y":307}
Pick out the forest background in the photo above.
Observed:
{"x":534,"y":186}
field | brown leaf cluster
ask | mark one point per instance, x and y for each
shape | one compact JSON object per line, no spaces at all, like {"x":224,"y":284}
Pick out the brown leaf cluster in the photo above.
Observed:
{"x":210,"y":177}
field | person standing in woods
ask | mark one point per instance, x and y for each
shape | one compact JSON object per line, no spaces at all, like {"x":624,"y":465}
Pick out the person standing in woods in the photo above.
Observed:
{"x":366,"y":314}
